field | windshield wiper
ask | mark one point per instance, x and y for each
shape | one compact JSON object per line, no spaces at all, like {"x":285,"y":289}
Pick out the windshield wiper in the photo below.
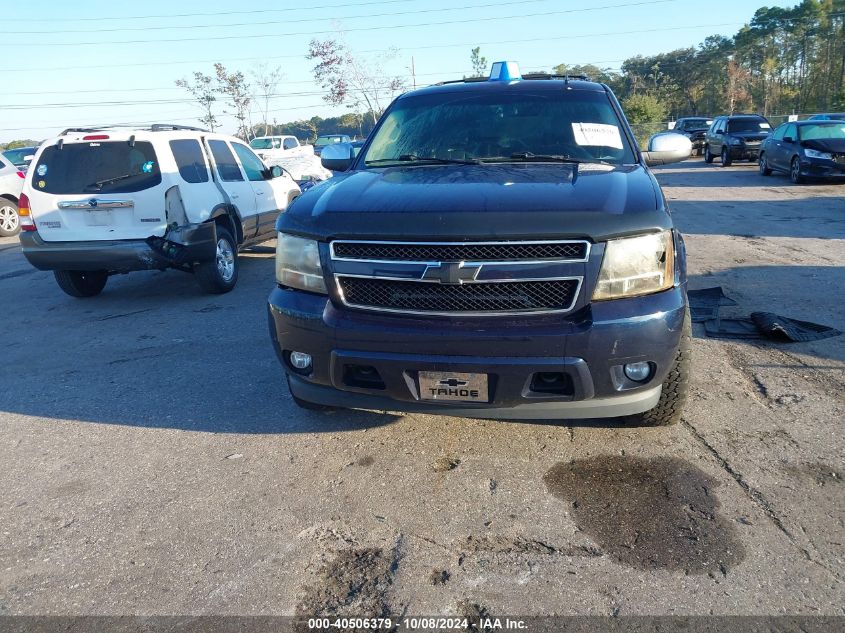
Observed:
{"x":107,"y":181}
{"x":413,"y":158}
{"x":550,"y":158}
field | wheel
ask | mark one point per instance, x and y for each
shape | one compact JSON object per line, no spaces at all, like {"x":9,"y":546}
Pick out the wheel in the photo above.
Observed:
{"x":726,"y":157}
{"x":674,"y":394}
{"x":220,"y":274}
{"x":708,"y":157}
{"x":81,"y":283}
{"x":765,"y":170}
{"x":10,"y":222}
{"x":698,"y":151}
{"x":795,"y":171}
{"x":309,"y":406}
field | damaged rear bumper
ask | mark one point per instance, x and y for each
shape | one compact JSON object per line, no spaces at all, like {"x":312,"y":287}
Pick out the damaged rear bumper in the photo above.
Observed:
{"x":179,"y":247}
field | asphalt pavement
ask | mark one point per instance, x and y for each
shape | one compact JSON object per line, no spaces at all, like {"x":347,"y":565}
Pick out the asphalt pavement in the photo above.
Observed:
{"x":152,"y":460}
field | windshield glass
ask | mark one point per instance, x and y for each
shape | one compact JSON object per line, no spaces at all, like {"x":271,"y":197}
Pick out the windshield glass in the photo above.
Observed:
{"x":101,"y":167}
{"x":16,"y":156}
{"x":498,"y":125}
{"x":697,"y":124}
{"x":327,"y":140}
{"x":262,"y":143}
{"x":821,"y":131}
{"x":748,"y":125}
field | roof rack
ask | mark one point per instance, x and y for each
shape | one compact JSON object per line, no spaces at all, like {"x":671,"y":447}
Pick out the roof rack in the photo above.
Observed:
{"x":156,"y":127}
{"x":461,"y":81}
{"x":566,"y":77}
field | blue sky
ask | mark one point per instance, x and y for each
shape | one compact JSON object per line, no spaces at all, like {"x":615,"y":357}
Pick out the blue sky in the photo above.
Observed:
{"x":96,"y":62}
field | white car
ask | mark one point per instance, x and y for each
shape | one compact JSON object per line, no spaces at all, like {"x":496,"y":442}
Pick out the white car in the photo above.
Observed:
{"x":273,"y":148}
{"x":11,"y":183}
{"x":97,"y":202}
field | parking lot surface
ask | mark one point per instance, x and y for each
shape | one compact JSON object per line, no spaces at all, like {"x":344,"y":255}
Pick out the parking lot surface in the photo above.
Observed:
{"x":153,"y":462}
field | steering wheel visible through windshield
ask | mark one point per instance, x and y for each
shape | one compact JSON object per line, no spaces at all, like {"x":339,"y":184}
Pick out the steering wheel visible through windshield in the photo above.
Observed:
{"x":498,"y":126}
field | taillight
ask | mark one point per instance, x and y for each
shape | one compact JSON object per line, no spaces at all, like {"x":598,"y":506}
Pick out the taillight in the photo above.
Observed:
{"x":27,"y":223}
{"x":21,"y":174}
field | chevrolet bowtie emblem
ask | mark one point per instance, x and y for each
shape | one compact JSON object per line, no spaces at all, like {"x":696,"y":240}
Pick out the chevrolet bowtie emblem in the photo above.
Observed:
{"x":452,"y":272}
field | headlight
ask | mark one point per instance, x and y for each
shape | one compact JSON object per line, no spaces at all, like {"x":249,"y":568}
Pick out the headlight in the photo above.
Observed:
{"x":736,"y":141}
{"x":298,"y":264}
{"x":811,"y":153}
{"x":636,"y":266}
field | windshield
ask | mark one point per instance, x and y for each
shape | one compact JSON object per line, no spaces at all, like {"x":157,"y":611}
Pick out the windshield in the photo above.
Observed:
{"x":821,"y":131}
{"x":327,"y":140}
{"x":500,"y":126}
{"x":697,"y":124}
{"x":16,"y":156}
{"x":101,"y":167}
{"x":749,"y":125}
{"x":264,"y":143}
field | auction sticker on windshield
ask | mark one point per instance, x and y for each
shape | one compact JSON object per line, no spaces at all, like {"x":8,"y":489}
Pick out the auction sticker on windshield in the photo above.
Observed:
{"x":597,"y":135}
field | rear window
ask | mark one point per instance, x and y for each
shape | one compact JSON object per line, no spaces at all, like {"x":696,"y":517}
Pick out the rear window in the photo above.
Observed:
{"x":189,"y":160}
{"x":97,"y":167}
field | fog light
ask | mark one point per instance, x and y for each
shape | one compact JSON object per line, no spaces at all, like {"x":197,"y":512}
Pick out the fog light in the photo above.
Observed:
{"x":638,"y":372}
{"x":300,"y":360}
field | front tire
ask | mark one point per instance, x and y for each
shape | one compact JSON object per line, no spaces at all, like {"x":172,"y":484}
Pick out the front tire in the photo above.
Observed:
{"x":81,"y":283}
{"x":708,"y":157}
{"x":10,"y":222}
{"x":726,"y":157}
{"x":220,"y":275}
{"x":795,"y":171}
{"x":765,"y":170}
{"x":675,"y":388}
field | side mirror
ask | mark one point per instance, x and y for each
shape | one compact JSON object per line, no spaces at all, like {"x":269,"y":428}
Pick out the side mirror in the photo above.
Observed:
{"x":667,"y":147}
{"x":275,"y":171}
{"x":28,"y":158}
{"x":788,"y":139}
{"x":337,"y":157}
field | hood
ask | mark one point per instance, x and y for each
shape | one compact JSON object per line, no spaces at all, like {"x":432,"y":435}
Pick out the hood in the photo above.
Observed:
{"x":833,"y":145}
{"x":481,"y":202}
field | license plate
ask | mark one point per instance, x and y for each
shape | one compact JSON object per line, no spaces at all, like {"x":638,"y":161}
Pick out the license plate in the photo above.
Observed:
{"x":97,"y":218}
{"x":439,"y":385}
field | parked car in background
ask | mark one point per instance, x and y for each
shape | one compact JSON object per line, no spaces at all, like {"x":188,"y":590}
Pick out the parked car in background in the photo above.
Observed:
{"x":11,"y":183}
{"x":735,"y":137}
{"x":271,"y":148}
{"x":828,"y":116}
{"x":694,"y":128}
{"x":330,"y":139}
{"x":97,"y":202}
{"x":805,"y":149}
{"x":20,"y":156}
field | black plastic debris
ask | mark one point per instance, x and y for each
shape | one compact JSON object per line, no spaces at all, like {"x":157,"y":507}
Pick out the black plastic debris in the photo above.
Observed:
{"x":782,"y":328}
{"x":704,"y":304}
{"x":732,"y":328}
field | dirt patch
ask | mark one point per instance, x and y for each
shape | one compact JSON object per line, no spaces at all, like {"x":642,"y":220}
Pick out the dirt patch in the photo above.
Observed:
{"x":500,"y":545}
{"x":819,"y":472}
{"x":658,"y":513}
{"x":352,"y":583}
{"x":474,"y":613}
{"x":439,"y":577}
{"x":367,"y":460}
{"x":445,"y":464}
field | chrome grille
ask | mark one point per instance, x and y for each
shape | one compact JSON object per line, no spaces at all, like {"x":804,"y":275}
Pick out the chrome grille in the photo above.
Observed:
{"x":436,"y":298}
{"x":445,"y":252}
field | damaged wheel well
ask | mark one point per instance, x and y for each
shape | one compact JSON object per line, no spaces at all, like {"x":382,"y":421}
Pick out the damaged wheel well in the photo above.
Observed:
{"x":9,"y":197}
{"x":228,"y":218}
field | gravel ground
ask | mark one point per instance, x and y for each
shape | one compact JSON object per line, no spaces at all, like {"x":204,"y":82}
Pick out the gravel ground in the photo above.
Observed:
{"x":152,"y":461}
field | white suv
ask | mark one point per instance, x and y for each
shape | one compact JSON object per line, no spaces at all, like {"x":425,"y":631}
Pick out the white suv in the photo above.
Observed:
{"x":97,"y":202}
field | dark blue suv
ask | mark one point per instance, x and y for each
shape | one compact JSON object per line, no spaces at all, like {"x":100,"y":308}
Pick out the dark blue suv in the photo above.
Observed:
{"x":497,"y":249}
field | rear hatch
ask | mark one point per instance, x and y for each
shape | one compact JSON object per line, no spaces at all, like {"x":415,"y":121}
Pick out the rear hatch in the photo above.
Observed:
{"x":97,"y":187}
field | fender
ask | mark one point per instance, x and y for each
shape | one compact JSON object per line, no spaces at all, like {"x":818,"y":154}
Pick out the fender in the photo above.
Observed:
{"x":231,"y":213}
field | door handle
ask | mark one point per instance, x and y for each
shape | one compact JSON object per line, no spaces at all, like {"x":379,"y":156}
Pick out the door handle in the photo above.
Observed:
{"x":235,"y":196}
{"x":259,"y":193}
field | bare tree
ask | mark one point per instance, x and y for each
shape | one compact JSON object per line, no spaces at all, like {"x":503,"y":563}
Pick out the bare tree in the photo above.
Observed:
{"x":352,"y":80}
{"x":203,"y":90}
{"x":236,"y":89}
{"x":265,"y":81}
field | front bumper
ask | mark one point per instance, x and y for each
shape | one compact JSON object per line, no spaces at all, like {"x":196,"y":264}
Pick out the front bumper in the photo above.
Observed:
{"x":589,"y":347}
{"x":744,"y":152}
{"x":179,"y":247}
{"x":819,"y":168}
